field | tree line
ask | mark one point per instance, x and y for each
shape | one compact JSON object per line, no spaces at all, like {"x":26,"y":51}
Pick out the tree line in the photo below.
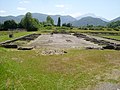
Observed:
{"x":110,"y":26}
{"x":32,"y":24}
{"x":115,"y":25}
{"x":29,"y":23}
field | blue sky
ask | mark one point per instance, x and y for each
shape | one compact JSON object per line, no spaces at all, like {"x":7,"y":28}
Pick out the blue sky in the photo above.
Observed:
{"x":108,"y":9}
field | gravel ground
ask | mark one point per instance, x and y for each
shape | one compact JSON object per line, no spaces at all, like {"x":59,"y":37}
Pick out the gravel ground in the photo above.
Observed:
{"x":107,"y":86}
{"x":61,"y":41}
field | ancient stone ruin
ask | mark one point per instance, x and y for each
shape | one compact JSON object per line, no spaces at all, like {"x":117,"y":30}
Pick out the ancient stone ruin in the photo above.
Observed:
{"x":53,"y":52}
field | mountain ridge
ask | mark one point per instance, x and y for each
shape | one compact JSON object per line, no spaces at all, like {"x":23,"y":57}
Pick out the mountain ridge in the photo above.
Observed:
{"x":89,"y":21}
{"x":91,"y":15}
{"x":41,"y":17}
{"x":116,"y":19}
{"x":81,"y":20}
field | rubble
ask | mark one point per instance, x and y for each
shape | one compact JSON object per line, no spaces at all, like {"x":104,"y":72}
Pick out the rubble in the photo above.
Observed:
{"x":53,"y":52}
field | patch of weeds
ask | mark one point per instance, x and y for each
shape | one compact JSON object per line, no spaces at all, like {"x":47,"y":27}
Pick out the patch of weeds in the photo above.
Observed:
{"x":113,"y":81}
{"x":2,"y":49}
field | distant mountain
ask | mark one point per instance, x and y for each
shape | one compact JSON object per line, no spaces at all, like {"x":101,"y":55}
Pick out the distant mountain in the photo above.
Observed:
{"x":40,"y":17}
{"x":104,"y":19}
{"x":91,"y":15}
{"x":64,"y":19}
{"x":116,"y":19}
{"x":86,"y":15}
{"x":82,"y":20}
{"x":17,"y":19}
{"x":89,"y":21}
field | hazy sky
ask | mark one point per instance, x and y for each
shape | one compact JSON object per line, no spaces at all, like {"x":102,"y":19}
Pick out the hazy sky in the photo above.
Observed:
{"x":108,"y":9}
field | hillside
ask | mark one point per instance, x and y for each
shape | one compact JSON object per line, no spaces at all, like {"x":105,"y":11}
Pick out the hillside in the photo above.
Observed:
{"x":116,"y":19}
{"x":83,"y":20}
{"x":17,"y":18}
{"x":40,"y":17}
{"x":89,"y":21}
{"x":91,"y":15}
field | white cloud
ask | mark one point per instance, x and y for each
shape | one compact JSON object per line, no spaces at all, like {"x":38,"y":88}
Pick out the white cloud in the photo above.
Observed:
{"x":2,"y":11}
{"x":21,"y":8}
{"x":24,"y":2}
{"x":56,"y":13}
{"x":75,"y":14}
{"x":60,"y":6}
{"x":67,"y":8}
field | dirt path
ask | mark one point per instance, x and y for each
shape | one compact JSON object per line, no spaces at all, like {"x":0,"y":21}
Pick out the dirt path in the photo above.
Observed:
{"x":61,"y":41}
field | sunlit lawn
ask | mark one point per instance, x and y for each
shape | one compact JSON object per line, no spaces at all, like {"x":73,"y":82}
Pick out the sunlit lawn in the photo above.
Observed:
{"x":113,"y":37}
{"x":5,"y":35}
{"x":29,"y":70}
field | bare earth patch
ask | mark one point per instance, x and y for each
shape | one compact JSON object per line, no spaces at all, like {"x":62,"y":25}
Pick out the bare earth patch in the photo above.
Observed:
{"x":61,"y":41}
{"x":107,"y":86}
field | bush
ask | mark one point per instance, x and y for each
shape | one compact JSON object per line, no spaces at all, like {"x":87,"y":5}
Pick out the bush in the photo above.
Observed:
{"x":63,"y":31}
{"x":116,"y":29}
{"x":48,"y":27}
{"x":109,"y":29}
{"x":10,"y":24}
{"x":33,"y":28}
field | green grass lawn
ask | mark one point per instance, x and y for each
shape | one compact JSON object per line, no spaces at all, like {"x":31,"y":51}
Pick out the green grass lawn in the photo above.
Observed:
{"x":45,"y":30}
{"x":5,"y":35}
{"x":113,"y":37}
{"x":92,"y":31}
{"x":78,"y":69}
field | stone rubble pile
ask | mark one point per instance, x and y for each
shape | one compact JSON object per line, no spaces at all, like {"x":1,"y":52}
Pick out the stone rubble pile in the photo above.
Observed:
{"x":53,"y":52}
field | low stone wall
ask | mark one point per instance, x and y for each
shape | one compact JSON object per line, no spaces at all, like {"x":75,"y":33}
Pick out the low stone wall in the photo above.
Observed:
{"x":9,"y":43}
{"x":111,"y":38}
{"x":26,"y":37}
{"x":9,"y":46}
{"x":106,"y":44}
{"x":25,"y":48}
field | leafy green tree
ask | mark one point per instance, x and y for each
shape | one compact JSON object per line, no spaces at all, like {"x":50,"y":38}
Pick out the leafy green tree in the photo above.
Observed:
{"x":1,"y":26}
{"x":20,"y":25}
{"x":26,"y":21}
{"x":69,"y":25}
{"x":49,"y":20}
{"x":29,"y":23}
{"x":10,"y":24}
{"x":36,"y":22}
{"x":64,"y":24}
{"x":114,"y":24}
{"x":59,"y":22}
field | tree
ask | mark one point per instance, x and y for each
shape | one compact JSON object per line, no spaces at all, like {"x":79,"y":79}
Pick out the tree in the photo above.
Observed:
{"x":26,"y":21}
{"x":64,"y":24}
{"x":69,"y":25}
{"x":49,"y":20}
{"x":10,"y":24}
{"x":29,"y":23}
{"x":1,"y":26}
{"x":113,"y":24}
{"x":59,"y":22}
